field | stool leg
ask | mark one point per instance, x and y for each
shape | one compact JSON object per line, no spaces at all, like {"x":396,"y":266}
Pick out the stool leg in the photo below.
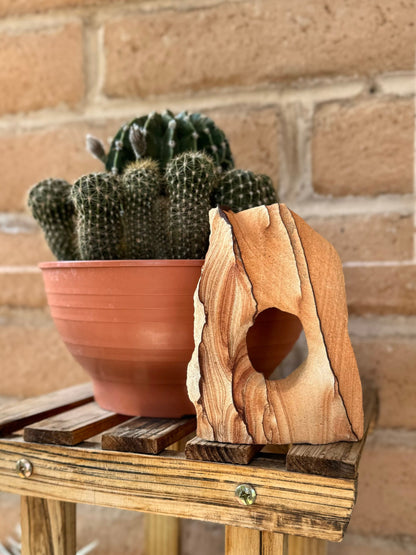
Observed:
{"x":162,"y":535}
{"x":239,"y":541}
{"x":299,"y":545}
{"x":48,"y":527}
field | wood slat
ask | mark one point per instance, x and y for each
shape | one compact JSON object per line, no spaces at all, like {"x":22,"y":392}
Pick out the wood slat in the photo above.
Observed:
{"x":147,"y":435}
{"x":170,"y":484}
{"x":202,"y":450}
{"x":23,"y":413}
{"x":74,"y":426}
{"x":338,"y":460}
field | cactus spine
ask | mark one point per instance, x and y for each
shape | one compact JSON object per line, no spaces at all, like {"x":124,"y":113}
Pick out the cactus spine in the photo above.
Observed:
{"x":51,"y":206}
{"x":99,"y":206}
{"x":161,"y":239}
{"x":141,"y":188}
{"x":164,"y":173}
{"x":243,"y":189}
{"x":190,"y":179}
{"x":164,"y":136}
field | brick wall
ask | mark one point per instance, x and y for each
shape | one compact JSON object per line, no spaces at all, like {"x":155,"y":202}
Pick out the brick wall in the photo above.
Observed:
{"x":319,"y":95}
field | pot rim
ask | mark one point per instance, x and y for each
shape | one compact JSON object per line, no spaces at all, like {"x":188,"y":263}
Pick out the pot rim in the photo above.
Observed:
{"x":119,"y":263}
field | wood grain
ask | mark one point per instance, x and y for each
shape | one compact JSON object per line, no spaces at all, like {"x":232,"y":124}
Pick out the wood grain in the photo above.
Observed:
{"x":147,"y":435}
{"x":162,"y":535}
{"x":268,"y":257}
{"x":339,"y":460}
{"x":274,"y":544}
{"x":203,"y":450}
{"x":242,"y":540}
{"x":74,"y":426}
{"x":239,"y":541}
{"x":287,"y":502}
{"x":31,"y":410}
{"x":48,"y":527}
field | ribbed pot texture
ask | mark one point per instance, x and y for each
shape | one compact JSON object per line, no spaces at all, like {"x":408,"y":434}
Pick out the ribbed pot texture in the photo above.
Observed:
{"x":129,"y":324}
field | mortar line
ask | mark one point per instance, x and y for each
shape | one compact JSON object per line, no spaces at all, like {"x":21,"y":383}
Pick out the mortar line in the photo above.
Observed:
{"x":414,"y":165}
{"x":378,"y":263}
{"x":261,"y":97}
{"x":91,"y":49}
{"x":109,"y":10}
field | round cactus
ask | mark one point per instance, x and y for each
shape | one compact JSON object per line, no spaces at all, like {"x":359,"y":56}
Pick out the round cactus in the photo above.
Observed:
{"x":190,"y":178}
{"x":242,"y":189}
{"x":163,"y":136}
{"x":51,"y":206}
{"x":98,"y":203}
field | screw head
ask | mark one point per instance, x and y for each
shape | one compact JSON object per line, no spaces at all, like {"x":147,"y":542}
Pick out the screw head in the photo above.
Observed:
{"x":245,"y":494}
{"x":24,"y":468}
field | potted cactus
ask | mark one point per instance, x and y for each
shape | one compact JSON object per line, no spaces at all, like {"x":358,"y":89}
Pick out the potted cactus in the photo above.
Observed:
{"x":130,"y":243}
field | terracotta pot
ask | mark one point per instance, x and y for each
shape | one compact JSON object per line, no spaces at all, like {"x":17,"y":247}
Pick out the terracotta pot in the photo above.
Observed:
{"x":129,"y":323}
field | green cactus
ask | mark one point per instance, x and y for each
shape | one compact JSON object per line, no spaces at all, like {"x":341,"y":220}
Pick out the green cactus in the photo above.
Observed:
{"x":243,"y":189}
{"x":98,"y":203}
{"x":161,"y":237}
{"x":190,"y":178}
{"x":52,"y":207}
{"x":141,"y":188}
{"x":164,"y":174}
{"x":162,"y":137}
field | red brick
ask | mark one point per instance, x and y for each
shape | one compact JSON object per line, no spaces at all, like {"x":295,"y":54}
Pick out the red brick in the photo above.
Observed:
{"x":253,"y":137}
{"x":27,"y":249}
{"x":386,"y":486}
{"x":372,"y":545}
{"x":34,"y":357}
{"x":40,"y":69}
{"x":21,"y":287}
{"x":361,"y":237}
{"x":388,"y":362}
{"x":14,"y":7}
{"x":363,"y":148}
{"x":247,"y":43}
{"x":54,"y":152}
{"x":381,"y":289}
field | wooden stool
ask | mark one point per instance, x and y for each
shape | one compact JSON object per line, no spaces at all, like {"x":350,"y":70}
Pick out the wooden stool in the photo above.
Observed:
{"x":285,"y":500}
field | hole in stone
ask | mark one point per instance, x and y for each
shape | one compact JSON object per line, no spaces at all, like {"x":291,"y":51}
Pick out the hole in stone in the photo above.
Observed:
{"x":276,"y":343}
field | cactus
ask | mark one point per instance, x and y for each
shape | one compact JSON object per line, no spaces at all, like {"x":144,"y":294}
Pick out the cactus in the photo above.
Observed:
{"x":161,"y":237}
{"x":243,"y":189}
{"x":162,"y":137}
{"x":164,"y":174}
{"x":52,"y":207}
{"x":190,"y":178}
{"x":99,"y":205}
{"x":141,"y":188}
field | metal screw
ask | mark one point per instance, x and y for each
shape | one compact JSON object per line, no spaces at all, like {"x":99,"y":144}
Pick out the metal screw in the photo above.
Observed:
{"x":245,"y":494}
{"x":24,"y":468}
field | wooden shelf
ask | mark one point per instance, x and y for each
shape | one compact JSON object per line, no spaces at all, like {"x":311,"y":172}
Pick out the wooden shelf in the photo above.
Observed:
{"x":80,"y":453}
